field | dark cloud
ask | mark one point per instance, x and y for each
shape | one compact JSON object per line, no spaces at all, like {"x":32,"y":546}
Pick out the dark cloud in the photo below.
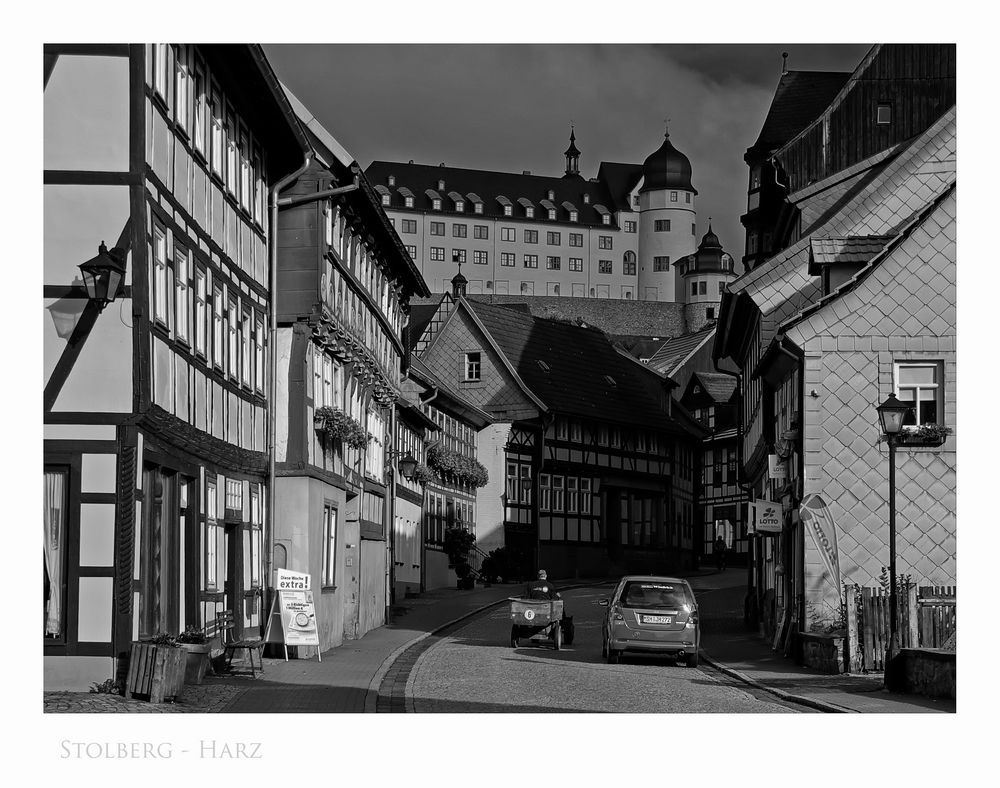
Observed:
{"x":509,"y":107}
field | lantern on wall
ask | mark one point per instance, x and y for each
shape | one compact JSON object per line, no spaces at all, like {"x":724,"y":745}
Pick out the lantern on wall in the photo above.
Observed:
{"x":103,"y":275}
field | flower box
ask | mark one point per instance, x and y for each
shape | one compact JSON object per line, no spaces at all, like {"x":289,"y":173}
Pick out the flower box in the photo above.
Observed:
{"x":155,"y":672}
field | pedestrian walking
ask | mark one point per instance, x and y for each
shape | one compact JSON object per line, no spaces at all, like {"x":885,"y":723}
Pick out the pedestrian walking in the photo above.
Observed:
{"x":719,"y":549}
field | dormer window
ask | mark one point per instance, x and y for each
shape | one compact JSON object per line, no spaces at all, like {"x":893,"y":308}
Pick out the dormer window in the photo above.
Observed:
{"x":479,"y":208}
{"x":440,"y":186}
{"x":436,"y":204}
{"x":573,"y":216}
{"x":552,"y":214}
{"x":392,"y":180}
{"x":606,"y":219}
{"x":529,"y":212}
{"x":507,"y":210}
{"x":408,"y":202}
{"x":385,"y":199}
{"x":552,"y":194}
{"x":460,"y":206}
{"x":586,"y":199}
{"x":883,"y":114}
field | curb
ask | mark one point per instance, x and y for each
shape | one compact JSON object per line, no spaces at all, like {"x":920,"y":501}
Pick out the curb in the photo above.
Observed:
{"x":371,"y":696}
{"x":819,"y":705}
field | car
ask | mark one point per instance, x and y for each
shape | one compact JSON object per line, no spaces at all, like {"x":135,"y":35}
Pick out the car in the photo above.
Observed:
{"x":649,"y":614}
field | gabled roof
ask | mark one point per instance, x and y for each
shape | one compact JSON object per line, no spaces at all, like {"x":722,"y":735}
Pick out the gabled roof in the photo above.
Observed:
{"x":447,"y":397}
{"x":902,"y":186}
{"x":583,"y":374}
{"x":420,"y":316}
{"x":674,"y":352}
{"x":798,"y":100}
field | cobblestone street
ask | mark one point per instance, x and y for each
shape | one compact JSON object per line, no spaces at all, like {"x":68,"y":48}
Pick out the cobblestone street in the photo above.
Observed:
{"x":474,"y":670}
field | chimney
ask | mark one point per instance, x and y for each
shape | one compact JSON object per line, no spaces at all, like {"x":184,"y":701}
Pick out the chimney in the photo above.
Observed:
{"x":526,"y":172}
{"x":784,"y":63}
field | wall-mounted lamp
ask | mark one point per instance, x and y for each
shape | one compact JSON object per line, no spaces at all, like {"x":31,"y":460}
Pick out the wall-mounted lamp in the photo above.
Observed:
{"x":407,"y":464}
{"x":103,"y":275}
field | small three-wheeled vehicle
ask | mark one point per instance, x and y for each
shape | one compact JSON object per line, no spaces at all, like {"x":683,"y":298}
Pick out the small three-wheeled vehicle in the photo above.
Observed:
{"x":541,"y":620}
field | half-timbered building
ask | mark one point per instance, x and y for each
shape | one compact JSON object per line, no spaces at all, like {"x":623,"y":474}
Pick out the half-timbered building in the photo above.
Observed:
{"x":156,"y":398}
{"x":597,"y":463}
{"x":343,"y":285}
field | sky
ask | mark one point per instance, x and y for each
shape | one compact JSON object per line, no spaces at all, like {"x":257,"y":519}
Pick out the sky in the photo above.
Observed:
{"x":509,"y":107}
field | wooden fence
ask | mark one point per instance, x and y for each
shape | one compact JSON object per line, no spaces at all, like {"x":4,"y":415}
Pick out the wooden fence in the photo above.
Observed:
{"x":926,"y":619}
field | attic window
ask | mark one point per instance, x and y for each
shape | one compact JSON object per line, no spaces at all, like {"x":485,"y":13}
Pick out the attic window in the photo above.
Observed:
{"x":529,"y":212}
{"x":507,"y":210}
{"x":883,"y":114}
{"x":697,"y":389}
{"x":552,"y":194}
{"x":610,"y":381}
{"x":408,"y":201}
{"x":460,"y":206}
{"x":392,"y":180}
{"x":552,"y":214}
{"x":543,"y":366}
{"x":586,"y":199}
{"x":436,"y":204}
{"x":385,"y":199}
{"x":606,"y":219}
{"x":573,"y":216}
{"x":440,"y":186}
{"x":479,"y":207}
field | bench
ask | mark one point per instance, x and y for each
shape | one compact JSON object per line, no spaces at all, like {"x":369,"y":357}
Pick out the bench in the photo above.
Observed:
{"x":226,"y":625}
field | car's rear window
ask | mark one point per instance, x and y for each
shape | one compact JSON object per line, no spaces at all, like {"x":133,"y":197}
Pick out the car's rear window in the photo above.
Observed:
{"x":648,"y":594}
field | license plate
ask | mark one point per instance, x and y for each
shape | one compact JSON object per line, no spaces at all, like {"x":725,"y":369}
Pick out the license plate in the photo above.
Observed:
{"x":657,"y":620}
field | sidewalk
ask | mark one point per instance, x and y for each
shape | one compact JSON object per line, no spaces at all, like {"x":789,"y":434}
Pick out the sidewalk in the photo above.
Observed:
{"x":744,"y":655}
{"x":345,"y":681}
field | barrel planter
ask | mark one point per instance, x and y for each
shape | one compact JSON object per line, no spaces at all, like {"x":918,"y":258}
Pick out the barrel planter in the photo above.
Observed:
{"x":196,"y":661}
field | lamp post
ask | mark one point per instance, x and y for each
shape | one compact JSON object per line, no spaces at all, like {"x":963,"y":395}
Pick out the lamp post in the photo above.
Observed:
{"x":890,"y":416}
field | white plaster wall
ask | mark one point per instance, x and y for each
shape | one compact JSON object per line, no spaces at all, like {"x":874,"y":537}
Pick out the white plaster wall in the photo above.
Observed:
{"x":489,"y":498}
{"x":408,"y":537}
{"x":76,"y":674}
{"x":86,"y":114}
{"x":676,"y":243}
{"x":94,"y":622}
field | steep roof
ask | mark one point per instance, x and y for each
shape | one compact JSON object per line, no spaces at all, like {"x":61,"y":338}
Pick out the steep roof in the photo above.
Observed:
{"x":576,"y":370}
{"x":901,"y":187}
{"x":852,"y":249}
{"x":490,"y":187}
{"x":673,"y":352}
{"x":420,"y":316}
{"x":718,"y":386}
{"x":798,"y":99}
{"x":620,"y":180}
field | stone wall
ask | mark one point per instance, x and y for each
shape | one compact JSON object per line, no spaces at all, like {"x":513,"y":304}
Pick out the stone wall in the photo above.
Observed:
{"x":824,"y":653}
{"x":924,"y":671}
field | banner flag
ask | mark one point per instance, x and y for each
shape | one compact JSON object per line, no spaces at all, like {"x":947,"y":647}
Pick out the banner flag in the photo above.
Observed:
{"x":818,"y":521}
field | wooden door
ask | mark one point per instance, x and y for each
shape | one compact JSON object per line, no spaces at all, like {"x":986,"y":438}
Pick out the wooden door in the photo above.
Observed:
{"x":352,"y":567}
{"x":371,"y":612}
{"x":232,"y":586}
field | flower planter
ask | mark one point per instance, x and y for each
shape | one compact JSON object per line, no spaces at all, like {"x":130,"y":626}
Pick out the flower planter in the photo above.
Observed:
{"x":155,"y":672}
{"x":196,"y":663}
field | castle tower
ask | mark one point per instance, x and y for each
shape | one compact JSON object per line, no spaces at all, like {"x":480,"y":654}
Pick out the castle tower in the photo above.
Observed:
{"x":704,"y":275}
{"x":572,"y":156}
{"x":667,"y":219}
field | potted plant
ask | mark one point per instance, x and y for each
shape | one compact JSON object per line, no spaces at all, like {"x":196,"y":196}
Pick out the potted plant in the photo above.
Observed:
{"x":448,"y":462}
{"x":334,"y":423}
{"x":925,"y":435}
{"x":194,"y":643}
{"x":422,"y":474}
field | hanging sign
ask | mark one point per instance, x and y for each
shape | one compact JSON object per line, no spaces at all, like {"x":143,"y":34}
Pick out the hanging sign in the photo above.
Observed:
{"x":298,"y":613}
{"x":777,"y":468}
{"x":765,"y":517}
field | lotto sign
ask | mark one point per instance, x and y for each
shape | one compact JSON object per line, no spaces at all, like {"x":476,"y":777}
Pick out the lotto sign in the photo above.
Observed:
{"x":777,"y":468}
{"x":765,"y":516}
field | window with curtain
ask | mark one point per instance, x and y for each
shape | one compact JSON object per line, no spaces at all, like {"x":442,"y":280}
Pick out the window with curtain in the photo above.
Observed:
{"x":56,"y":487}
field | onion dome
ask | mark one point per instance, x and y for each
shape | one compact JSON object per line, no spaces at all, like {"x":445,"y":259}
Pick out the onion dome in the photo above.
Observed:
{"x":458,"y":283}
{"x":711,"y":240}
{"x":667,"y":168}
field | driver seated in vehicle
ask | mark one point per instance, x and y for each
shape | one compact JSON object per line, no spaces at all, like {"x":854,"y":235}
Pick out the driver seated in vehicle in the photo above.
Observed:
{"x":541,"y":588}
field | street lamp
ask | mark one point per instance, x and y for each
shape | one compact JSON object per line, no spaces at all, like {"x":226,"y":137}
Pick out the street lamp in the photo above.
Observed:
{"x":407,"y":463}
{"x":890,"y":416}
{"x":103,"y":274}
